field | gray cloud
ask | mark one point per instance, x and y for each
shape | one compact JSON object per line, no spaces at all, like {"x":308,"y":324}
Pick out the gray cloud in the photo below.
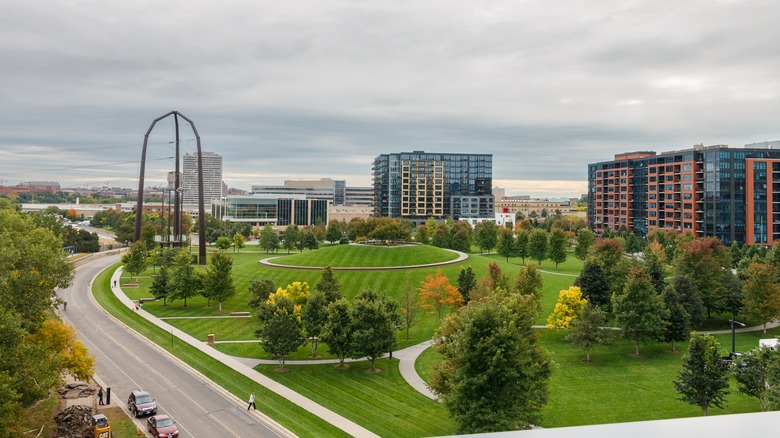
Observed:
{"x":318,"y":88}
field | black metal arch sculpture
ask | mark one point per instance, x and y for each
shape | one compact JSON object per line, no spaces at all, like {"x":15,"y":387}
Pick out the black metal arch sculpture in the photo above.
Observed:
{"x":177,"y":214}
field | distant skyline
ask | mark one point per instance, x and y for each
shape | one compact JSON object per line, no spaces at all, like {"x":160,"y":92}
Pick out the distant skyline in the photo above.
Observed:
{"x":318,"y":88}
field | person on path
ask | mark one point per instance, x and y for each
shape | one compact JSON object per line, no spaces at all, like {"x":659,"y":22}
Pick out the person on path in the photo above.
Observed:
{"x":100,"y":396}
{"x":114,"y":283}
{"x":251,"y":402}
{"x":65,"y":306}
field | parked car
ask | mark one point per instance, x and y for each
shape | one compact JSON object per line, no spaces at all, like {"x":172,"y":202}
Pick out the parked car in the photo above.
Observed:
{"x":141,"y":403}
{"x":162,"y":426}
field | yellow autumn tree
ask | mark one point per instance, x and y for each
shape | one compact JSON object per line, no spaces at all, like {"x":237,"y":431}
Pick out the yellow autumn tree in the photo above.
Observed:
{"x":436,"y":293}
{"x":61,"y":338}
{"x":568,"y":307}
{"x":297,"y":292}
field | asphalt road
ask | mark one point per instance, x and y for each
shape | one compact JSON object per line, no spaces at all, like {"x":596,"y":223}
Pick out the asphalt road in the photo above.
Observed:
{"x":124,"y":361}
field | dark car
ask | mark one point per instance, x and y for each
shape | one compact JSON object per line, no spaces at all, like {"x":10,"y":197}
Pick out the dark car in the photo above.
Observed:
{"x":162,"y":426}
{"x":141,"y":403}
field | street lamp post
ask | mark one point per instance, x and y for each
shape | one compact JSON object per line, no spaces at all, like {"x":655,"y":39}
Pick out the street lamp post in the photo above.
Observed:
{"x":734,"y":333}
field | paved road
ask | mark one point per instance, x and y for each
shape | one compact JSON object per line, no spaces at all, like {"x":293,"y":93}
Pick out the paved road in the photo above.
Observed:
{"x":125,"y":361}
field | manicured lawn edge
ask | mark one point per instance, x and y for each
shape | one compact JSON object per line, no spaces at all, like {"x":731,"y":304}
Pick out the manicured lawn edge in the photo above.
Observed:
{"x":291,"y":416}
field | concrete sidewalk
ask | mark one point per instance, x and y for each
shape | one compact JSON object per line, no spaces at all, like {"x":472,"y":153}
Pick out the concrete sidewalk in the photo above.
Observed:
{"x":331,"y":417}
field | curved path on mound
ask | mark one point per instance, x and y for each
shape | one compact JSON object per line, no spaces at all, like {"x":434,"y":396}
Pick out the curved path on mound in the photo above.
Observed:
{"x":461,"y":257}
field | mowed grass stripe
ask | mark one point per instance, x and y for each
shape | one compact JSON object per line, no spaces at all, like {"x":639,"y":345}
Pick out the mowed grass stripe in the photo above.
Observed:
{"x":367,"y":256}
{"x":383,"y":401}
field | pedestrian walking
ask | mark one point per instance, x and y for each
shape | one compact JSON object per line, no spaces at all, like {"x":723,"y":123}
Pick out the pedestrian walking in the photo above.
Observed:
{"x":100,"y":396}
{"x":251,"y":402}
{"x":65,"y":306}
{"x":114,"y":283}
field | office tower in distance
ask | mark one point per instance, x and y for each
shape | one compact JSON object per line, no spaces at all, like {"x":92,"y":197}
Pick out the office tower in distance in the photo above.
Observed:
{"x":419,"y":185}
{"x":212,"y":177}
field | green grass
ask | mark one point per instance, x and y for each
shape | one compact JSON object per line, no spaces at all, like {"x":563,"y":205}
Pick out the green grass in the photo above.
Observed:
{"x":296,"y":419}
{"x":616,"y":387}
{"x":392,"y":282}
{"x":367,"y":256}
{"x":383,"y":402}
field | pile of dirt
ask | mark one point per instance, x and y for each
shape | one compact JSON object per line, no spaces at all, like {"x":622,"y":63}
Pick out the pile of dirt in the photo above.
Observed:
{"x":76,"y":390}
{"x":73,"y":422}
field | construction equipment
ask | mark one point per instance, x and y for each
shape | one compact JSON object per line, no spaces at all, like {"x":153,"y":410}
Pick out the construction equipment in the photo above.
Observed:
{"x":100,"y":427}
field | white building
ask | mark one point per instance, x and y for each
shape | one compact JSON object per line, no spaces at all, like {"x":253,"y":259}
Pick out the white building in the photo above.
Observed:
{"x":212,"y":177}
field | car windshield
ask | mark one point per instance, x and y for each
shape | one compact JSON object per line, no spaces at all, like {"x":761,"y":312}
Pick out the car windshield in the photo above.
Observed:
{"x":164,"y":422}
{"x":144,"y":399}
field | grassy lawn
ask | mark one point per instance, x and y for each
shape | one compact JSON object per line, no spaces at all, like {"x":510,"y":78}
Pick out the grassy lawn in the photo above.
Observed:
{"x":616,"y":387}
{"x":366,"y":256}
{"x":383,"y":402}
{"x":298,"y":420}
{"x":393,"y":283}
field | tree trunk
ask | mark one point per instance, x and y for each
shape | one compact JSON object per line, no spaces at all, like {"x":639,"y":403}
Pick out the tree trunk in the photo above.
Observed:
{"x":636,"y":346}
{"x":765,"y":328}
{"x":705,"y":409}
{"x":220,"y":307}
{"x":281,"y":361}
{"x":372,"y":364}
{"x":673,"y":349}
{"x":587,"y":355}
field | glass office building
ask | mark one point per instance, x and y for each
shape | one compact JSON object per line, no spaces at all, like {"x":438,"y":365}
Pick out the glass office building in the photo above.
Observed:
{"x":418,"y":185}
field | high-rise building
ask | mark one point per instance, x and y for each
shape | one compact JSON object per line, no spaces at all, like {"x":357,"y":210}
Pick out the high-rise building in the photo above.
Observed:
{"x":212,"y":177}
{"x":419,"y":185}
{"x":729,"y":193}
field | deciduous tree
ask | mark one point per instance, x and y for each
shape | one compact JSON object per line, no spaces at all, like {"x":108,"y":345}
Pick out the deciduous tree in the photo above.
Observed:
{"x":436,"y":294}
{"x":537,"y":245}
{"x":280,"y":331}
{"x":756,"y":372}
{"x":329,"y":285}
{"x":557,"y":251}
{"x":185,"y":281}
{"x":568,"y":307}
{"x":594,"y":285}
{"x":337,"y":332}
{"x":494,"y":373}
{"x":135,"y":259}
{"x":639,"y":311}
{"x":529,"y":280}
{"x":762,"y":292}
{"x":589,"y":329}
{"x":703,"y":381}
{"x":218,"y":281}
{"x":223,"y":243}
{"x":467,"y":282}
{"x":260,"y":289}
{"x":269,"y":241}
{"x":315,"y":316}
{"x":373,"y":333}
{"x":585,"y":239}
{"x":238,"y":242}
{"x":486,"y":235}
{"x":521,"y":244}
{"x":506,"y":243}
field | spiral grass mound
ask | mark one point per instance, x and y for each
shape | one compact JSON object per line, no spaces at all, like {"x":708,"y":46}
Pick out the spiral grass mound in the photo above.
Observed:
{"x":366,"y":256}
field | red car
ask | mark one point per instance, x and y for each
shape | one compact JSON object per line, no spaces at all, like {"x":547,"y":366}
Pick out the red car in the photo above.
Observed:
{"x":162,"y":426}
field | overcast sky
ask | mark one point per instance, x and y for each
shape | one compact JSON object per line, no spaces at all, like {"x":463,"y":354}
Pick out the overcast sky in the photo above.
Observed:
{"x":317,"y":89}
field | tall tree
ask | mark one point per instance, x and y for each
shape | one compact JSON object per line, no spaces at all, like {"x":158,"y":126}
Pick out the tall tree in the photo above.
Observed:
{"x":238,"y":242}
{"x":218,"y":281}
{"x":260,"y":289}
{"x":333,"y":232}
{"x":529,"y":280}
{"x":185,"y":281}
{"x":223,"y":243}
{"x":494,"y":373}
{"x":594,"y":285}
{"x":589,"y":329}
{"x":159,"y":287}
{"x":754,"y":374}
{"x":639,"y":311}
{"x":762,"y":292}
{"x":689,"y":298}
{"x":557,"y":251}
{"x":703,"y":380}
{"x":32,"y":266}
{"x":568,"y":308}
{"x":280,"y":331}
{"x":373,"y":333}
{"x":309,"y":240}
{"x":506,"y":243}
{"x":537,"y":245}
{"x":585,"y":239}
{"x":702,"y":261}
{"x":436,"y":294}
{"x":269,"y":241}
{"x":486,"y":235}
{"x":314,"y":318}
{"x":135,"y":259}
{"x":290,"y":236}
{"x":329,"y":285}
{"x":467,"y":282}
{"x":679,"y":323}
{"x":422,"y":236}
{"x":497,"y":277}
{"x":522,"y":242}
{"x":409,"y":308}
{"x":337,"y":332}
